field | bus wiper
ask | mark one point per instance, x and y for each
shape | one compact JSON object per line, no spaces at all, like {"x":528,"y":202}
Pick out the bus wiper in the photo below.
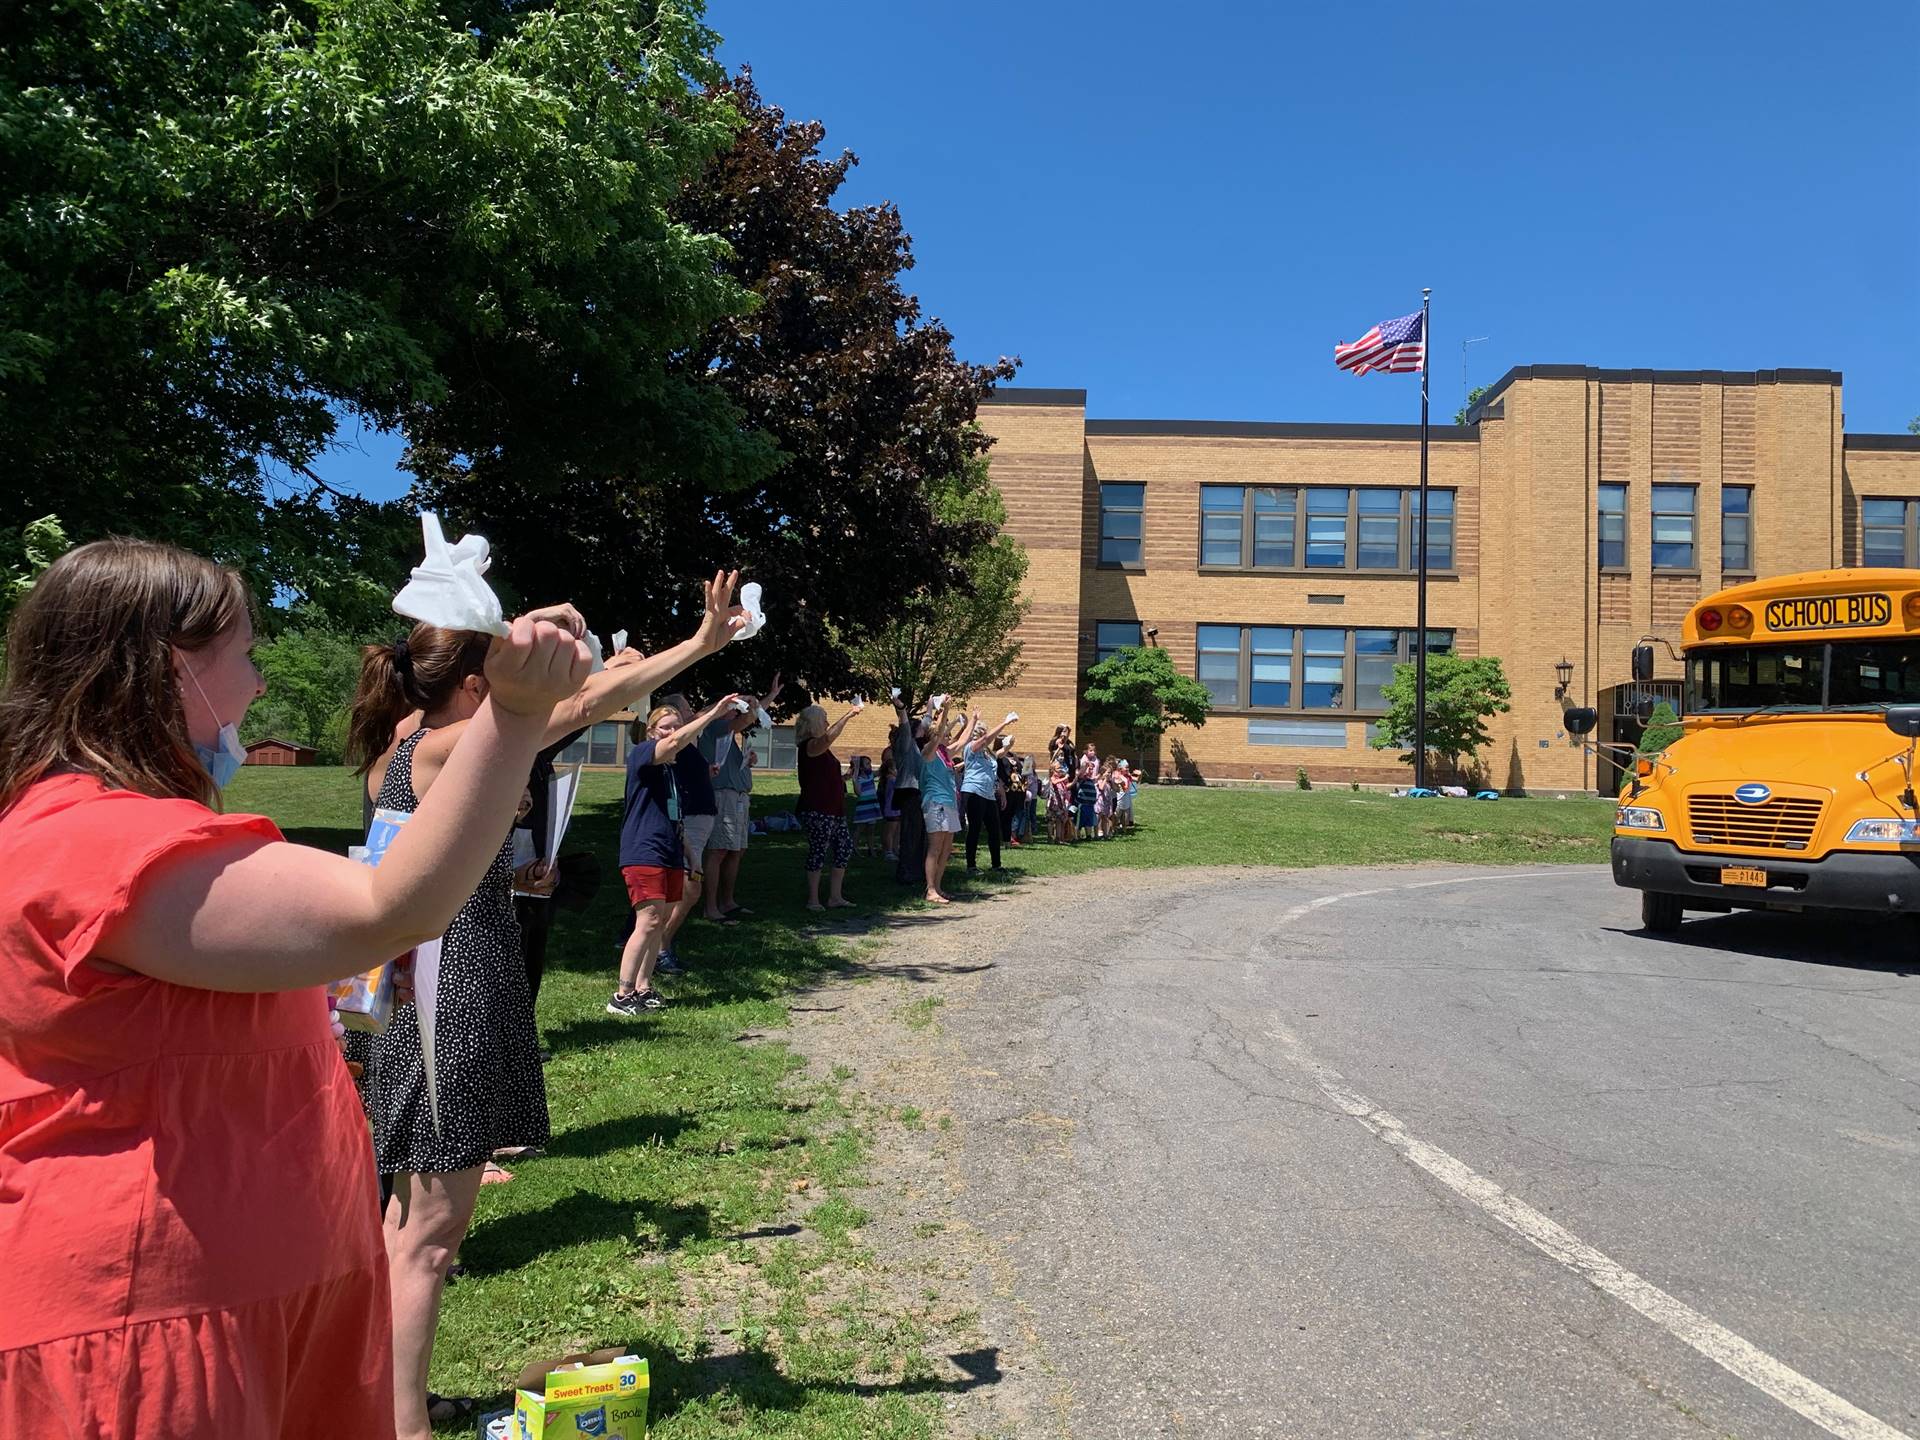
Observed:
{"x":1776,"y":707}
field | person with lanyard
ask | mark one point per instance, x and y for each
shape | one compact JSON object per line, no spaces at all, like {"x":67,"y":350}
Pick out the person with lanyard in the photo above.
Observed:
{"x":653,"y":849}
{"x":724,"y":748}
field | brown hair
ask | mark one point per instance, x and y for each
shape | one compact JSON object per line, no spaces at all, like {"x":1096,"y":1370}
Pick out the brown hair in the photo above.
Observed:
{"x":420,"y":672}
{"x":90,"y":681}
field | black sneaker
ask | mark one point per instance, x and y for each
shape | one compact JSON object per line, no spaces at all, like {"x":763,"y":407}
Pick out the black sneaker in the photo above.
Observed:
{"x":650,"y":999}
{"x":668,"y":963}
{"x":627,"y":1005}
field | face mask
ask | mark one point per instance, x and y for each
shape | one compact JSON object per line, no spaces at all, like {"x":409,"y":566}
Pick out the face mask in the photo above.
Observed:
{"x":224,"y":762}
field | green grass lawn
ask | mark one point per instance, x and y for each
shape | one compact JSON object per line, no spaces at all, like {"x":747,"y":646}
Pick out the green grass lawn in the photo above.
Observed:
{"x":698,"y":1203}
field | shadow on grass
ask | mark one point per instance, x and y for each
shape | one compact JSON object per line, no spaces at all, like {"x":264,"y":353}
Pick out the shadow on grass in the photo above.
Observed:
{"x":751,"y":1378}
{"x":617,"y":1133}
{"x":522,"y":1237}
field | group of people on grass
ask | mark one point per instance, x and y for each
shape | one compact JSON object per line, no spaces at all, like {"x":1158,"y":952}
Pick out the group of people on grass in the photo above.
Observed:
{"x":191,"y":1223}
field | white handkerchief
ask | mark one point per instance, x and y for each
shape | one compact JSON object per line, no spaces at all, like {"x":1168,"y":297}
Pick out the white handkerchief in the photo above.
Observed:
{"x":934,"y":702}
{"x":760,"y":714}
{"x":1012,"y":715}
{"x":593,"y":649}
{"x":756,"y":617}
{"x":894,"y":693}
{"x":447,"y":589}
{"x":619,"y":641}
{"x":741,"y":706}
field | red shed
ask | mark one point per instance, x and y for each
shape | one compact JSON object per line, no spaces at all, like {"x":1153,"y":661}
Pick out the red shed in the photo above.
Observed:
{"x":280,"y":752}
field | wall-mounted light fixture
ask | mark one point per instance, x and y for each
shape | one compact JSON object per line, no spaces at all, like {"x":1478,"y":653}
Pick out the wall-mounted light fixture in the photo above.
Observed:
{"x":1563,"y":673}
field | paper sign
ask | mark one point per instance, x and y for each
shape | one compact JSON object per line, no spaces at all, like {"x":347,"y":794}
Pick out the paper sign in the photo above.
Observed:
{"x":447,"y":588}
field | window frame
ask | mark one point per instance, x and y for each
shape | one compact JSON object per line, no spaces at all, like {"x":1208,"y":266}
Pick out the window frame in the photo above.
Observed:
{"x":1405,"y":547}
{"x":1745,"y":517}
{"x":1296,"y":667}
{"x":1624,"y":565}
{"x":1104,"y":652}
{"x":1909,"y":531}
{"x":1106,"y":509}
{"x":1654,"y":512}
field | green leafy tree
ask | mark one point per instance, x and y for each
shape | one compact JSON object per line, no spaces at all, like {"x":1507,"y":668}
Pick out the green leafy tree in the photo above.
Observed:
{"x":24,"y":553}
{"x":1139,"y":692}
{"x":1473,"y":398}
{"x":1663,"y":728}
{"x":224,"y":225}
{"x":1913,"y":426}
{"x":956,"y":639}
{"x":310,"y":673}
{"x":1463,"y":693}
{"x":869,"y":407}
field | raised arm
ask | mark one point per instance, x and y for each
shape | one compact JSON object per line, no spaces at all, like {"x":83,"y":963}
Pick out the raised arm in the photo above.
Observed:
{"x":668,"y":746}
{"x":619,"y":686}
{"x":256,"y":915}
{"x":821,"y":743}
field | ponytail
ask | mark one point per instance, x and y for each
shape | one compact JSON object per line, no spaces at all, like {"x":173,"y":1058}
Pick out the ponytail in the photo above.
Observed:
{"x":418,"y":672}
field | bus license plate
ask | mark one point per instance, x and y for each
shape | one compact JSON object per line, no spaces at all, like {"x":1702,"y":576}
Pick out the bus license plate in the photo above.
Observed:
{"x":1742,"y":875}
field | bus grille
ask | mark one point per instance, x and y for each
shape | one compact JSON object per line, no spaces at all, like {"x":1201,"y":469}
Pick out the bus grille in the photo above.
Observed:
{"x":1777,"y":824}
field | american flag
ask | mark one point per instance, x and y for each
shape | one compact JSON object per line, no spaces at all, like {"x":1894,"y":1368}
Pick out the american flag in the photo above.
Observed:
{"x":1398,"y":347}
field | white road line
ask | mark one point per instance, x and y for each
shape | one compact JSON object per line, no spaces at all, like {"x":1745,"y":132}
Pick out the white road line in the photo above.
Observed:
{"x":1729,"y":1351}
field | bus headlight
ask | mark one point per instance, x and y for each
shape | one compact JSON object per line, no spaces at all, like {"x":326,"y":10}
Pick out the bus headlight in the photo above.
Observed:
{"x":1638,"y":817}
{"x":1892,"y":832}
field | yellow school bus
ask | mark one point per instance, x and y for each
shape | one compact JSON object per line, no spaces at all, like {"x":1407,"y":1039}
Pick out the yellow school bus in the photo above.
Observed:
{"x":1792,"y":785}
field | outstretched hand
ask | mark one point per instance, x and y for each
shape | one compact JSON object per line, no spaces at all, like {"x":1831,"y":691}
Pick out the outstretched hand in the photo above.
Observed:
{"x":535,"y":666}
{"x":723,"y":618}
{"x":565,"y":616}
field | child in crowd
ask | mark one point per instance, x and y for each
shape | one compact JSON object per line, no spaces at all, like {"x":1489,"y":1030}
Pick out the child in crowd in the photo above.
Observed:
{"x":1086,"y":794}
{"x":1129,"y":787}
{"x":866,"y":804}
{"x":889,"y":811}
{"x":1103,"y":801}
{"x":1060,"y":805}
{"x":653,"y":852}
{"x":1017,"y":812}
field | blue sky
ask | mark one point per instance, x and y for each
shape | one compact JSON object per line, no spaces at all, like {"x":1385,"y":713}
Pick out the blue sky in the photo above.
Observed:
{"x":1182,"y":208}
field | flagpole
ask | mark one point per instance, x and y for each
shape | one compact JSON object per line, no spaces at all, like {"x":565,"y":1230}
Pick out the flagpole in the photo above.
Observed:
{"x":1420,"y":631}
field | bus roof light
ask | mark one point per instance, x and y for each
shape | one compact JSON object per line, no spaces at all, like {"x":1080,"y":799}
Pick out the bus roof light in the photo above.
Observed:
{"x":1710,"y":620}
{"x":1739,"y":617}
{"x":1911,"y":605}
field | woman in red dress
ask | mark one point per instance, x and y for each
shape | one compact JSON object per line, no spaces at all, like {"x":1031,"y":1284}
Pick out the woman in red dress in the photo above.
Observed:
{"x":187,"y":1200}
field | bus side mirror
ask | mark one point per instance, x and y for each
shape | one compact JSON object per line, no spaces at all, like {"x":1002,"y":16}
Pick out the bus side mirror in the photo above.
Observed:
{"x":1643,"y":662}
{"x":1904,"y":721}
{"x":1582,"y":720}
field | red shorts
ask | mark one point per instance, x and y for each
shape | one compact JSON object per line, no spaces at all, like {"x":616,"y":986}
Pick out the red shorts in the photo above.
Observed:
{"x":654,"y":882}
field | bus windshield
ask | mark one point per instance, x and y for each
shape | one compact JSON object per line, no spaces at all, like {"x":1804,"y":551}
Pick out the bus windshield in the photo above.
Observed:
{"x":1804,"y":675}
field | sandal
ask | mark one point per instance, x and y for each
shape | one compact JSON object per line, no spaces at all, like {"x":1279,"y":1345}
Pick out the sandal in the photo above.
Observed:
{"x":495,"y":1174}
{"x":460,"y":1409}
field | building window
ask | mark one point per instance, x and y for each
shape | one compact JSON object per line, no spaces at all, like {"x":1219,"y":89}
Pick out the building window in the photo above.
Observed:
{"x":1736,"y":529}
{"x":1379,"y":529}
{"x":781,"y":752}
{"x":1344,"y":670}
{"x":1110,"y":637}
{"x":1306,"y":734}
{"x":597,"y":745}
{"x":1120,"y":516}
{"x":1887,"y":532}
{"x":1613,"y":527}
{"x":1273,"y":522}
{"x":1270,"y":668}
{"x":1222,"y":524}
{"x":1217,"y":663}
{"x":1326,"y":529}
{"x":1439,"y":529}
{"x":1673,"y":527}
{"x":1264,"y":527}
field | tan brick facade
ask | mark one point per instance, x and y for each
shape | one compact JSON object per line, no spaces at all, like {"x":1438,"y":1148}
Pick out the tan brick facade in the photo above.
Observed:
{"x":1525,"y":584}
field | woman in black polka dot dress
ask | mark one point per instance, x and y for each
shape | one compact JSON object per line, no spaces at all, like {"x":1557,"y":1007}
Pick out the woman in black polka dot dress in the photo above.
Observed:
{"x":486,"y":1052}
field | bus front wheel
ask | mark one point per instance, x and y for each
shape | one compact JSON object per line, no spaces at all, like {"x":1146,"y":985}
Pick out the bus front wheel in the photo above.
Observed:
{"x":1660,"y":913}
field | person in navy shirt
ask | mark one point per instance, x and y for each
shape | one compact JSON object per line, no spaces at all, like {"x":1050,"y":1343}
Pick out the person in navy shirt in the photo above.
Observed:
{"x":653,"y":856}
